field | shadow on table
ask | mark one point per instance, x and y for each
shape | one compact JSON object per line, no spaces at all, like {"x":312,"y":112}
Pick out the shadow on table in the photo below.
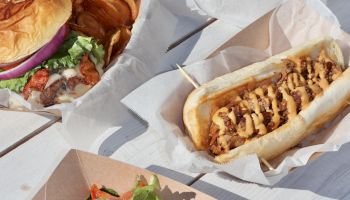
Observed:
{"x":166,"y":193}
{"x":202,"y":186}
{"x":134,"y":127}
{"x":341,"y":9}
{"x":182,"y":178}
{"x":215,"y":191}
{"x":328,"y":176}
{"x":129,"y":130}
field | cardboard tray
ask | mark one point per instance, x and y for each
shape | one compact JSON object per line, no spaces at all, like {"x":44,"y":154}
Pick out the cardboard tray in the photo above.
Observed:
{"x":79,"y":170}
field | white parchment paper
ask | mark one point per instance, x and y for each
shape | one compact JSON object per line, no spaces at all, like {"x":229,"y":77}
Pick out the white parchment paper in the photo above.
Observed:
{"x":88,"y":117}
{"x":242,"y":13}
{"x":160,"y":101}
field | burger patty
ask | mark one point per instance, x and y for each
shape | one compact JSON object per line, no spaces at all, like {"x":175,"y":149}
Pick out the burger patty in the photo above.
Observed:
{"x":38,"y":82}
{"x":74,"y":81}
{"x":47,"y":97}
{"x":267,"y":106}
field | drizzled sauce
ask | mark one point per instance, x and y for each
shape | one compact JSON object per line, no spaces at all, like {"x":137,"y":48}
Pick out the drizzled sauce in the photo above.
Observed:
{"x":258,"y":111}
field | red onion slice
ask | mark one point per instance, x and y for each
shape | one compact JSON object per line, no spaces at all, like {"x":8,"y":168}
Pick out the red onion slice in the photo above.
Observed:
{"x":43,"y":54}
{"x":18,"y":61}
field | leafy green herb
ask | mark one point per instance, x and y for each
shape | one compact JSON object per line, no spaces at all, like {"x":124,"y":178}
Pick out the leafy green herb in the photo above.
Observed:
{"x":110,"y":191}
{"x":147,"y":192}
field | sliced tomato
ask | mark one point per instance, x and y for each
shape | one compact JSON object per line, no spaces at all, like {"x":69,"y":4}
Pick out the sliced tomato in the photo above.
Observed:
{"x":36,"y":82}
{"x":97,"y":193}
{"x":14,"y":64}
{"x":126,"y":196}
{"x":10,"y":66}
{"x":141,"y":184}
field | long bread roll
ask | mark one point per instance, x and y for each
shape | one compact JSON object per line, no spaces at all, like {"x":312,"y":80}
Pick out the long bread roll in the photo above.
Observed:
{"x":270,"y":106}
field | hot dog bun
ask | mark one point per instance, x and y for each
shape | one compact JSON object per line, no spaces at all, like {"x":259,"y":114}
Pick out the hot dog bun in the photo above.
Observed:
{"x":205,"y":100}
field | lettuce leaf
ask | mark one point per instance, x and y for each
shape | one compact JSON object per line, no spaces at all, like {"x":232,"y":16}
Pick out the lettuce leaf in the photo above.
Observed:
{"x":148,"y":192}
{"x":70,"y":53}
{"x":68,"y":56}
{"x":17,"y":84}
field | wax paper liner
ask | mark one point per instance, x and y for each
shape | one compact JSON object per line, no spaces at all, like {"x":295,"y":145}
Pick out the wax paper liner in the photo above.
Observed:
{"x":160,"y":101}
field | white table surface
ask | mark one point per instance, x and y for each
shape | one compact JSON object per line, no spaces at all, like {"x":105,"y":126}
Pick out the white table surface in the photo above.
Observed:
{"x":31,"y":147}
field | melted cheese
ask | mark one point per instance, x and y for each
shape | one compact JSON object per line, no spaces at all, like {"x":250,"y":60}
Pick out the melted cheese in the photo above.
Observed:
{"x":219,"y":121}
{"x":258,"y":124}
{"x":69,"y":73}
{"x":315,"y":89}
{"x":260,"y":92}
{"x":296,"y":61}
{"x":66,"y":96}
{"x":290,"y":82}
{"x":321,"y":73}
{"x":53,"y":78}
{"x":304,"y":96}
{"x":248,"y":130}
{"x":291,"y":106}
{"x":276,"y":117}
{"x":34,"y":97}
{"x":254,"y":102}
{"x":232,"y":117}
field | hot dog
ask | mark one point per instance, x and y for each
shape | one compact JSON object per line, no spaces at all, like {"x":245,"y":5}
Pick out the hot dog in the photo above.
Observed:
{"x":270,"y":106}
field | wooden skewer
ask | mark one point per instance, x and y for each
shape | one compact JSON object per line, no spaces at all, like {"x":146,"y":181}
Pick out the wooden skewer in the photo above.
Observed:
{"x":185,"y":74}
{"x":267,"y":164}
{"x":190,"y":34}
{"x":196,"y":85}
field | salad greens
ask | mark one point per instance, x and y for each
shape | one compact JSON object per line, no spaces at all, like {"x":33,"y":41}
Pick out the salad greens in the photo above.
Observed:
{"x":141,"y":191}
{"x":17,"y":84}
{"x":147,"y":192}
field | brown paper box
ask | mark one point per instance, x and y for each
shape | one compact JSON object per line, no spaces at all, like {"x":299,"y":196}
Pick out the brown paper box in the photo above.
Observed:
{"x":79,"y":170}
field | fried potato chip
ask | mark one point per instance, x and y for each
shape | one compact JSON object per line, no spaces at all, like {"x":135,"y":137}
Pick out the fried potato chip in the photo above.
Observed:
{"x":114,"y":40}
{"x":88,"y":31}
{"x":77,"y":6}
{"x":133,"y":8}
{"x":125,"y":35}
{"x":91,"y":26}
{"x":111,"y":15}
{"x":109,"y":21}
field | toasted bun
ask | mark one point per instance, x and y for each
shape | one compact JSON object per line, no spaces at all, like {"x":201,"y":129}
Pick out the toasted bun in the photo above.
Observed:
{"x":203,"y":101}
{"x":30,"y":28}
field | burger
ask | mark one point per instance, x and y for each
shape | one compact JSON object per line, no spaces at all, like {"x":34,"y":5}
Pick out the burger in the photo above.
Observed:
{"x":53,"y":51}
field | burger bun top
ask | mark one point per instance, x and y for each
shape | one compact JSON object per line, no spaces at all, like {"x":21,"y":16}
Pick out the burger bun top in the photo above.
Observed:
{"x":31,"y":27}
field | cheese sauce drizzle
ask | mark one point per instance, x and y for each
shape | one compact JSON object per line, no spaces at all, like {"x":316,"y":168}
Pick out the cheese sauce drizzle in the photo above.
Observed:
{"x":258,"y":111}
